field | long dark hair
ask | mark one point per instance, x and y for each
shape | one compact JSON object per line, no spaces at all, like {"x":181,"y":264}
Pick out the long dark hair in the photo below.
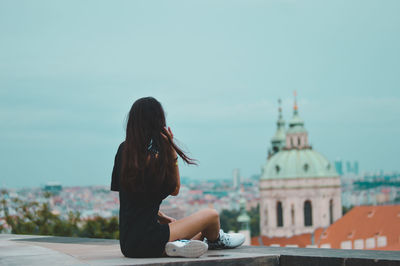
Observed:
{"x":147,"y":160}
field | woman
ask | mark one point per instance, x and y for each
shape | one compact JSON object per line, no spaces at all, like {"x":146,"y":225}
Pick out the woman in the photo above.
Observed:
{"x":145,"y":172}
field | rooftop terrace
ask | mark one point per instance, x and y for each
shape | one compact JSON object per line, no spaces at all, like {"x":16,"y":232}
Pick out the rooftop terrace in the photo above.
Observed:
{"x":49,"y":250}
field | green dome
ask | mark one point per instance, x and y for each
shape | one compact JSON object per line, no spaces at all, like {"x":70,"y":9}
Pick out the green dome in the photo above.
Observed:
{"x":305,"y":163}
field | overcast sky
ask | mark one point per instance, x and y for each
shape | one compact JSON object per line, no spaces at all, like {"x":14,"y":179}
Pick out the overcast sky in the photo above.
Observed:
{"x":70,"y":71}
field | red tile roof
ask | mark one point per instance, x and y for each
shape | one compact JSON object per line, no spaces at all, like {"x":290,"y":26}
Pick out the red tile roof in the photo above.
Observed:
{"x":360,"y":223}
{"x":301,"y":241}
{"x":364,"y":222}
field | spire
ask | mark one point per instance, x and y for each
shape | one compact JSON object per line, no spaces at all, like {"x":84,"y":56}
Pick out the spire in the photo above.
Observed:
{"x":295,"y":107}
{"x":296,"y":120}
{"x":280,"y":123}
{"x":296,"y":135}
{"x":278,"y":140}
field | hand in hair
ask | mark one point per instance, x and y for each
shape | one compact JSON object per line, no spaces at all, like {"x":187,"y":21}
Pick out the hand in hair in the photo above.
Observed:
{"x":167,"y":132}
{"x":168,"y":136}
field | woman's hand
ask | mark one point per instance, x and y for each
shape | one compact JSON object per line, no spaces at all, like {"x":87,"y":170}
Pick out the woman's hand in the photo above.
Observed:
{"x":165,"y":219}
{"x":168,"y":133}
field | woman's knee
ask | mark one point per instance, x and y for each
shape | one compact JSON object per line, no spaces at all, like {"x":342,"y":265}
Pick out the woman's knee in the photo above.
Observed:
{"x":212,"y":214}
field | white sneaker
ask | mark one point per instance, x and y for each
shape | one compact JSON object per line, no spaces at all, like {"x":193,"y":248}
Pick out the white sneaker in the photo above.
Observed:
{"x":225,"y":240}
{"x":186,"y":248}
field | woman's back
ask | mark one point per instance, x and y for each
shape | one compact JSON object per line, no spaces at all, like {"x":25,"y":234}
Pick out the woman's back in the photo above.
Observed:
{"x":140,"y":233}
{"x":145,"y":172}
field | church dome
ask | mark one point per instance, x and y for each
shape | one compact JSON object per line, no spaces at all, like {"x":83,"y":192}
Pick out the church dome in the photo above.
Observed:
{"x":297,"y":163}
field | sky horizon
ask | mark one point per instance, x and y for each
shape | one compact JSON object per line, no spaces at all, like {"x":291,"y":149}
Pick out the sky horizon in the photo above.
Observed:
{"x":70,"y":71}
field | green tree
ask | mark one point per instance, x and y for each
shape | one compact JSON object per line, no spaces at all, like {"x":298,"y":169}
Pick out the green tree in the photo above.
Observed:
{"x":100,"y":227}
{"x":68,"y":227}
{"x":37,"y":219}
{"x":255,"y":221}
{"x":228,"y":219}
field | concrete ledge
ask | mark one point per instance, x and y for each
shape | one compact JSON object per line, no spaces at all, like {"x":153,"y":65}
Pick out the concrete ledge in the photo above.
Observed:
{"x":49,"y":250}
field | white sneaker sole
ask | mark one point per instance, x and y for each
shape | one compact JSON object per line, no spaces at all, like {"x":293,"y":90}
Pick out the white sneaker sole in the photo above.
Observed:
{"x":192,"y":249}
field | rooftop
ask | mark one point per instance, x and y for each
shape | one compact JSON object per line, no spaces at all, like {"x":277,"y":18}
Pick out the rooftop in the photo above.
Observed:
{"x":366,"y":227}
{"x":49,"y":250}
{"x":363,"y":227}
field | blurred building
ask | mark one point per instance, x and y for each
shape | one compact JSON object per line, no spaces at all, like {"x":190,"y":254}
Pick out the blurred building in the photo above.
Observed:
{"x":365,"y":227}
{"x":236,"y":178}
{"x":53,"y":188}
{"x":374,"y":188}
{"x":351,"y":167}
{"x":244,"y":221}
{"x":339,"y":167}
{"x":299,"y":188}
{"x":379,"y":230}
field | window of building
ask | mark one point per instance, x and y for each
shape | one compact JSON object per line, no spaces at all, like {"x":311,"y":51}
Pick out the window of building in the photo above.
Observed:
{"x":292,"y":213}
{"x":277,"y":168}
{"x":307,"y":213}
{"x":331,"y":211}
{"x":279,"y":214}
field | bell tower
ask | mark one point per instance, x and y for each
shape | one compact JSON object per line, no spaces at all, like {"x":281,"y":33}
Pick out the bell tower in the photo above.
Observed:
{"x":278,"y":140}
{"x":296,"y":135}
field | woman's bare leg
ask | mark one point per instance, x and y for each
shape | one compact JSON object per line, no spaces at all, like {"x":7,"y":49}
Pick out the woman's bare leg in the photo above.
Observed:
{"x":205,"y":222}
{"x":199,"y":236}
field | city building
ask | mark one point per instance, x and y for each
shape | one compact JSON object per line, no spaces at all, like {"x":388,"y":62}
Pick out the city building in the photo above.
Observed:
{"x":351,"y":168}
{"x":379,"y":230}
{"x":236,"y":178}
{"x":244,"y":221}
{"x":370,"y":188}
{"x":299,"y":188}
{"x":53,"y":187}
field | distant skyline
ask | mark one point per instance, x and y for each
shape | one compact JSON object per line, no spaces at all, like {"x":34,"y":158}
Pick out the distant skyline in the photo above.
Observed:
{"x":70,"y":71}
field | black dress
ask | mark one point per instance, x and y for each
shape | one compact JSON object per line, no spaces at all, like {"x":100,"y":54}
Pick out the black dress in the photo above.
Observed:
{"x":140,"y":234}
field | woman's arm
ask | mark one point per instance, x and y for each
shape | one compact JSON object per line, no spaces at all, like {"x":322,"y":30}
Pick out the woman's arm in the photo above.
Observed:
{"x":175,"y":173}
{"x":165,"y":219}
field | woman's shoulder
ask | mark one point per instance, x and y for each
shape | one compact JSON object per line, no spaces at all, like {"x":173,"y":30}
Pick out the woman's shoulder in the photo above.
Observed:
{"x":121,"y":147}
{"x":115,"y":176}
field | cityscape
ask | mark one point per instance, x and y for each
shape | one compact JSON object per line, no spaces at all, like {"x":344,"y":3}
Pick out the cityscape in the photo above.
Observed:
{"x":288,"y":110}
{"x":350,"y":189}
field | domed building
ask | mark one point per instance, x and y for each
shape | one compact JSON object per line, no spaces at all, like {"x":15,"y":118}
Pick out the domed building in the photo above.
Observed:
{"x":299,"y":187}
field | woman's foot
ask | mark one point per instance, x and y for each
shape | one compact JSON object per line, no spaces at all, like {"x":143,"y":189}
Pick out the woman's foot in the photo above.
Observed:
{"x":186,"y":248}
{"x":225,"y":240}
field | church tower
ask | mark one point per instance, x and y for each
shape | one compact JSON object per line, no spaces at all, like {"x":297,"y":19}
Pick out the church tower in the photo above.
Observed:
{"x":279,"y":139}
{"x":296,"y":135}
{"x":299,"y":187}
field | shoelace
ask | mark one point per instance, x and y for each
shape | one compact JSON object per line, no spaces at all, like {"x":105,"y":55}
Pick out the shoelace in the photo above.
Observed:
{"x":224,"y":240}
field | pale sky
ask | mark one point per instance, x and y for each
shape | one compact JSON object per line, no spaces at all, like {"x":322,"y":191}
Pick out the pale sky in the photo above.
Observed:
{"x":70,"y":71}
